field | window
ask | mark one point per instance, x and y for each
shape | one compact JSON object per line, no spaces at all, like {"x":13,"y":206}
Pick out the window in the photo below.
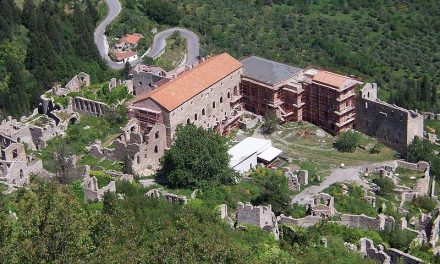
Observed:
{"x":155,"y":149}
{"x":221,"y":99}
{"x":213,"y":104}
{"x":14,"y":154}
{"x":138,"y":159}
{"x":195,"y":116}
{"x":203,"y":111}
{"x":21,"y":174}
{"x":188,"y":121}
{"x":229,"y":95}
{"x":156,"y":135}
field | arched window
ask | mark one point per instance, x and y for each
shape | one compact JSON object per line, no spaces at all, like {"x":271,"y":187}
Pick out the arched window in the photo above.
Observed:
{"x":188,"y":121}
{"x":156,"y":135}
{"x":221,"y":99}
{"x":155,"y":149}
{"x":203,"y":111}
{"x":138,"y":159}
{"x":229,"y":95}
{"x":213,"y":104}
{"x":195,"y":116}
{"x":21,"y":173}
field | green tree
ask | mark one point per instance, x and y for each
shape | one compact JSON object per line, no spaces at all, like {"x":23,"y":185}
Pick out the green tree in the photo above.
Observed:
{"x":425,"y":89}
{"x":197,"y":159}
{"x":52,"y":227}
{"x":347,"y":141}
{"x":420,"y":150}
{"x":275,"y":192}
{"x":386,"y":186}
{"x":126,"y":70}
{"x":270,"y":124}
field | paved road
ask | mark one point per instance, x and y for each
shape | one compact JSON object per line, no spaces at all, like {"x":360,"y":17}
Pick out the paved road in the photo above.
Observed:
{"x":114,"y":8}
{"x":159,"y":41}
{"x":349,"y":174}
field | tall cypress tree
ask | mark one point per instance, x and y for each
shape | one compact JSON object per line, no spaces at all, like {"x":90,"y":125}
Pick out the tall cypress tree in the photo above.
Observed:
{"x":425,"y":89}
{"x":434,"y":95}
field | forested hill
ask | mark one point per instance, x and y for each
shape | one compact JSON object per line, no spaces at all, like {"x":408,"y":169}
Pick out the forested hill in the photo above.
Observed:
{"x":393,"y":42}
{"x":41,"y":44}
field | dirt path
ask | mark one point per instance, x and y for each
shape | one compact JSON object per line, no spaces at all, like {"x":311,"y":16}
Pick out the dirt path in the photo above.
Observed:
{"x":349,"y":174}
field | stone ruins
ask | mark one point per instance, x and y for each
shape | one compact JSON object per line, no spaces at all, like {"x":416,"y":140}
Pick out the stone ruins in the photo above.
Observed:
{"x":259,"y":216}
{"x":394,"y":126}
{"x":170,"y":197}
{"x":296,"y":179}
{"x":74,"y":85}
{"x":323,"y":205}
{"x":92,"y":192}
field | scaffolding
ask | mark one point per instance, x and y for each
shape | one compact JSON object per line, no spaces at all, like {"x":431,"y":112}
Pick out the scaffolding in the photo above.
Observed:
{"x":147,"y":118}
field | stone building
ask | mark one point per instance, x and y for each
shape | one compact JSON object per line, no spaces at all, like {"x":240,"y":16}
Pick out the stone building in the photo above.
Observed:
{"x":323,"y":205}
{"x":15,"y":166}
{"x":203,"y":96}
{"x":323,"y":98}
{"x":147,"y":78}
{"x":269,"y":86}
{"x":394,"y":126}
{"x":259,"y":216}
{"x":143,"y":149}
{"x":74,"y":85}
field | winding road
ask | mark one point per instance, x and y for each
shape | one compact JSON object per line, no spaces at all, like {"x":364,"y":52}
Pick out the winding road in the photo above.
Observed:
{"x":159,"y":41}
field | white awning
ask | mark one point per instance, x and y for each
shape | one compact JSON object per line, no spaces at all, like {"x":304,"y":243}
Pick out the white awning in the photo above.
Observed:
{"x":270,"y":154}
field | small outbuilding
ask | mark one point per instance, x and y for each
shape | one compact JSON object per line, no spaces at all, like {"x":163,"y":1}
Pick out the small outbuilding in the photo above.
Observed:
{"x":251,"y":151}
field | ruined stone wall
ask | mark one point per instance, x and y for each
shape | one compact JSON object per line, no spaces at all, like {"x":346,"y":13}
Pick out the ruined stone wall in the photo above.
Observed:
{"x":78,"y":81}
{"x":394,"y":126}
{"x":259,"y":216}
{"x":370,"y":251}
{"x":306,"y":221}
{"x":381,"y":222}
{"x":398,"y":256}
{"x":89,"y":107}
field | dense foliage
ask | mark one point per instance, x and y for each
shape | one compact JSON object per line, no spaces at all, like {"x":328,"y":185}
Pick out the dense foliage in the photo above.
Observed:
{"x":44,"y":43}
{"x":392,"y":42}
{"x":198,"y":158}
{"x":347,"y":141}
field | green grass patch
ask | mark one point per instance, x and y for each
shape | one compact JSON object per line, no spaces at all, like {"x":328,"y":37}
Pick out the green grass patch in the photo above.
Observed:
{"x":174,"y":53}
{"x":316,"y":154}
{"x":103,"y":178}
{"x":406,"y":174}
{"x":353,"y":202}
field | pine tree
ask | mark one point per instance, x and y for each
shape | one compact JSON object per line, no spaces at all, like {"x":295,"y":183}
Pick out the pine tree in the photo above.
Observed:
{"x":434,"y":95}
{"x":126,"y":70}
{"x":425,"y":89}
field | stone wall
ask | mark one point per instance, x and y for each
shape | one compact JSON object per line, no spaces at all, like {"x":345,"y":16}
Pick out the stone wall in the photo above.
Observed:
{"x":378,"y":223}
{"x":259,"y":216}
{"x":92,"y":192}
{"x":394,"y":126}
{"x":306,"y":221}
{"x":170,"y":197}
{"x":89,"y":107}
{"x":398,"y":256}
{"x":370,"y":251}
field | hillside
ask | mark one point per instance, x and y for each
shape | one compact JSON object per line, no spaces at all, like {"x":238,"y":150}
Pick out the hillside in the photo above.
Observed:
{"x":394,"y":43}
{"x":42,"y":44}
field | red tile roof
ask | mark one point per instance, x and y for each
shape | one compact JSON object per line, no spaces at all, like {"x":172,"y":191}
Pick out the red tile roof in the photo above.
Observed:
{"x":190,"y":83}
{"x":123,"y":54}
{"x":133,"y":39}
{"x":331,"y":79}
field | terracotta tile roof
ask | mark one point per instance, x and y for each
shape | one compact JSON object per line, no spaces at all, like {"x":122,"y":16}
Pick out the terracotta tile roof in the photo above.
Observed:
{"x":190,"y":83}
{"x":133,"y":39}
{"x":123,"y":54}
{"x":332,"y":79}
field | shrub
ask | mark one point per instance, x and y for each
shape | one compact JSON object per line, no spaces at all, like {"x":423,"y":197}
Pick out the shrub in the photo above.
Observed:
{"x":347,"y":141}
{"x":377,"y":148}
{"x":386,"y":186}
